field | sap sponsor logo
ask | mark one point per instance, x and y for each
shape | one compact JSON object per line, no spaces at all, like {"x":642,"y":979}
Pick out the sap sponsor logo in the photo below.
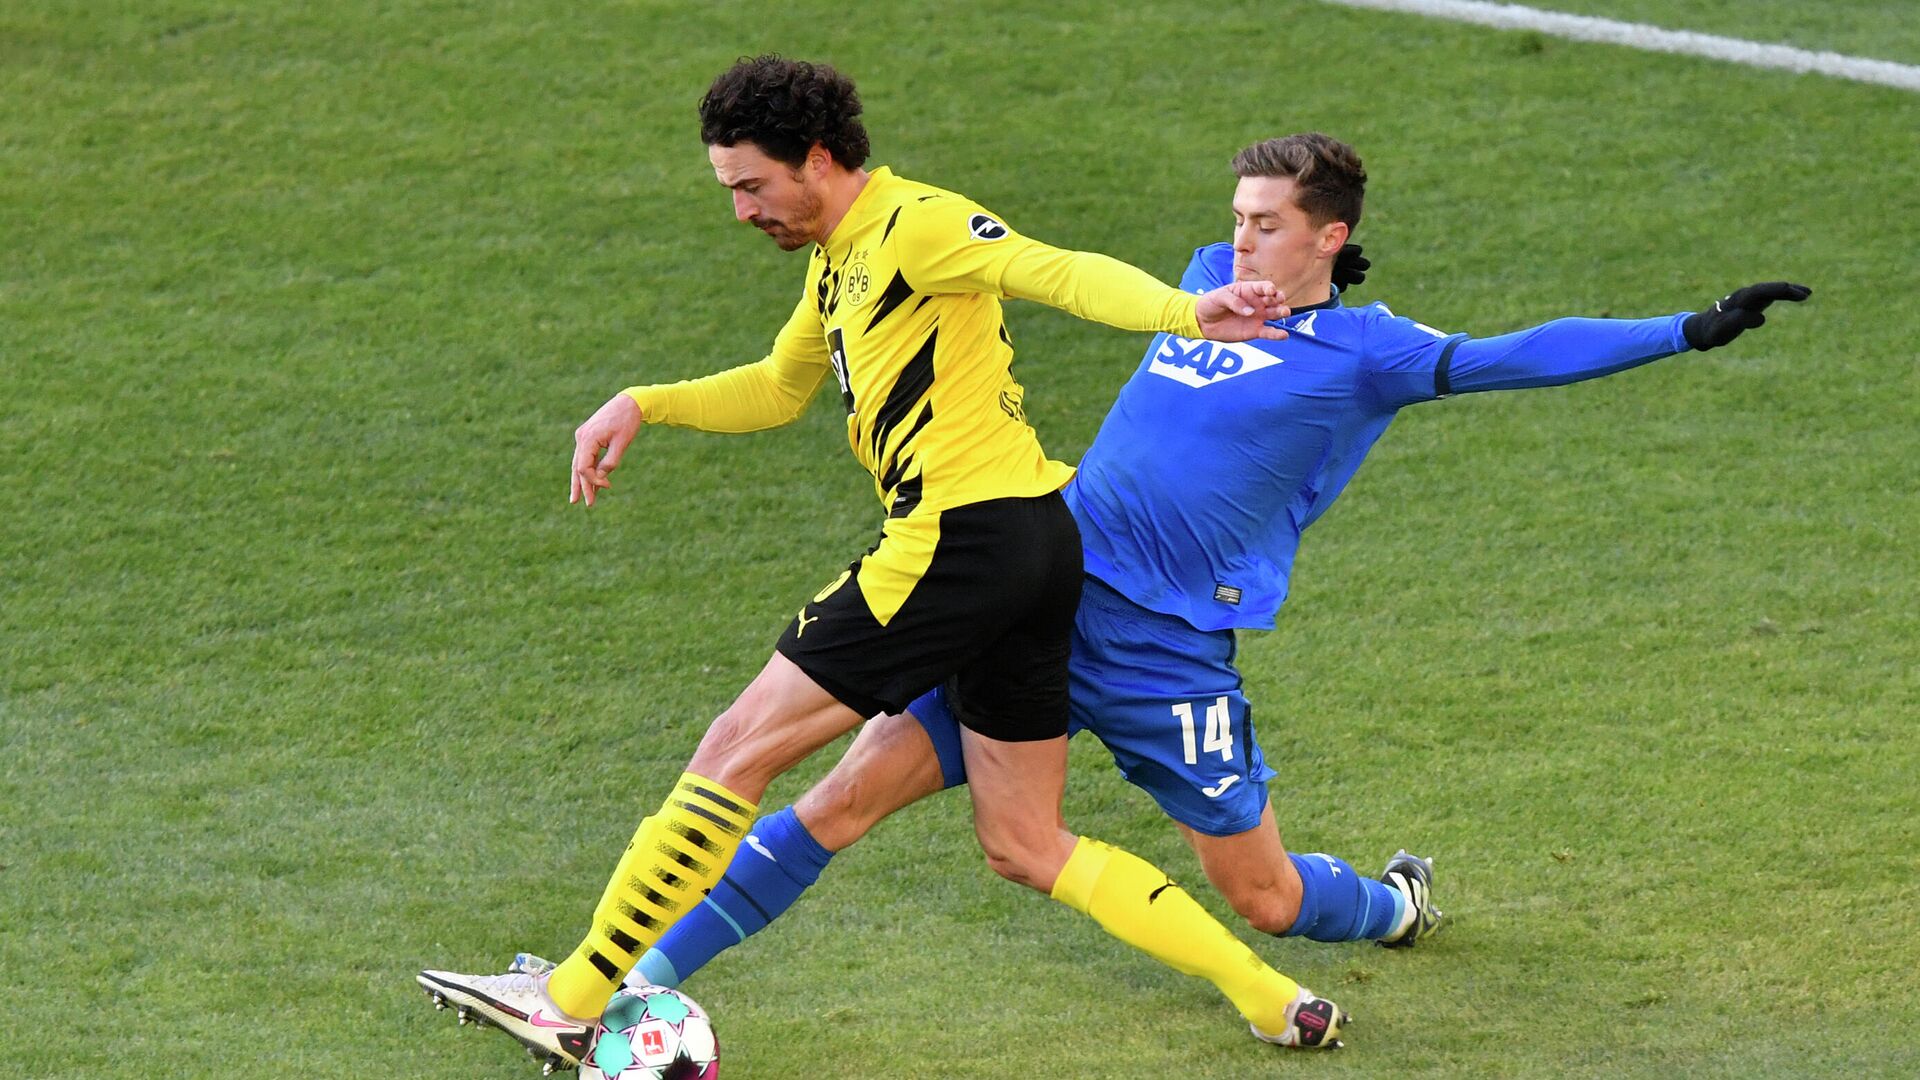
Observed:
{"x":1204,"y":363}
{"x":983,"y":227}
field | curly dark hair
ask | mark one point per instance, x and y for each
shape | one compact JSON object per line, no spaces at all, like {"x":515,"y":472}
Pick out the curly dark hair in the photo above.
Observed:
{"x":784,"y":107}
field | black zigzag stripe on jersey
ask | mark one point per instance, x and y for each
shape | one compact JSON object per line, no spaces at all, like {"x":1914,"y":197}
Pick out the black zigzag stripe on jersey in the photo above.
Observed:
{"x":915,"y":380}
{"x":905,"y":499}
{"x":825,"y":297}
{"x":898,"y":466}
{"x":888,"y":231}
{"x":896,"y":294}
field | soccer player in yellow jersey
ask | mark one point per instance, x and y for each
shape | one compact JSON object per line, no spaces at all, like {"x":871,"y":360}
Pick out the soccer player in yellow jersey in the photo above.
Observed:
{"x":972,"y":585}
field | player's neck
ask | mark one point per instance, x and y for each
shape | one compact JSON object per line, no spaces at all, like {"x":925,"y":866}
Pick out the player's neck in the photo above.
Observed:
{"x":843,"y":188}
{"x":1317,"y":289}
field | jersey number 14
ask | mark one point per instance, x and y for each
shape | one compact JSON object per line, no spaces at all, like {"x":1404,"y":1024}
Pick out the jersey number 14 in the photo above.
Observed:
{"x":1218,"y":736}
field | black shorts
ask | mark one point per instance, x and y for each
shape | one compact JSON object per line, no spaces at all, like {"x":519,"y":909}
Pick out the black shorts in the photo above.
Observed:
{"x":979,"y":598}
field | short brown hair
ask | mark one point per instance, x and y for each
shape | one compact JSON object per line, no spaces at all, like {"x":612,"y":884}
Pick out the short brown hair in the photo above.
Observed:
{"x":785,"y":107}
{"x":1329,"y":179}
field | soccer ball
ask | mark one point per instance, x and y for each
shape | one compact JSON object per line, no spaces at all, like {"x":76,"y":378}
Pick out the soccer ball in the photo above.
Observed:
{"x":652,"y":1033}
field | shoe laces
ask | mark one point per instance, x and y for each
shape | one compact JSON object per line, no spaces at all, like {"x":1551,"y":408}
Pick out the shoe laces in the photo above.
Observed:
{"x":520,"y":982}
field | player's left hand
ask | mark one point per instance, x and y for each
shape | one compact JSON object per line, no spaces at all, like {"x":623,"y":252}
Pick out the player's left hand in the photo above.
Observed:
{"x":1350,"y":267}
{"x":1240,"y":311}
{"x":1739,"y":311}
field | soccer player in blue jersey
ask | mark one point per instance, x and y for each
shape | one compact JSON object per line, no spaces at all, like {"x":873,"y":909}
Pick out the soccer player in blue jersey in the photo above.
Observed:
{"x":1178,"y":558}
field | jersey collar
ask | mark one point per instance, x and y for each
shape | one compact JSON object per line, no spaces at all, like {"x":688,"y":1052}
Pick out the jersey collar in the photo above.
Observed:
{"x":1330,"y":302}
{"x":841,"y":241}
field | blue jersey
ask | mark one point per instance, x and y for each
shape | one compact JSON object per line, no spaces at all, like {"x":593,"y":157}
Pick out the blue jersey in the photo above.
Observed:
{"x":1193,"y":496}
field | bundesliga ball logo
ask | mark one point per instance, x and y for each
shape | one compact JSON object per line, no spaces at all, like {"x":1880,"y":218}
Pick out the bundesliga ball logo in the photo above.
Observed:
{"x":653,"y":1033}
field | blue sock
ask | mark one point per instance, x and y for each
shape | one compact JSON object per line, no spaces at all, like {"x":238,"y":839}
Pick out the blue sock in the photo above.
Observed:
{"x":775,"y":864}
{"x":1337,"y":904}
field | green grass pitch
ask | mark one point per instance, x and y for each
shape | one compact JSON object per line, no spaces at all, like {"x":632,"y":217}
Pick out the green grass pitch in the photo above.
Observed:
{"x":309,"y":677}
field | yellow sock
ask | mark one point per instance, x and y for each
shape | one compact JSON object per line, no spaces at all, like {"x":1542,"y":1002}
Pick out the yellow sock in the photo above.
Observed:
{"x":1141,"y":906}
{"x":675,"y":857}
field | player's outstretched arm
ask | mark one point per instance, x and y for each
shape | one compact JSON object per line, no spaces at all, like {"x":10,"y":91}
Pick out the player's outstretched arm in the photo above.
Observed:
{"x":953,"y":246}
{"x":752,"y":397}
{"x":1738,"y":312}
{"x":1106,"y":290}
{"x":1408,"y":362}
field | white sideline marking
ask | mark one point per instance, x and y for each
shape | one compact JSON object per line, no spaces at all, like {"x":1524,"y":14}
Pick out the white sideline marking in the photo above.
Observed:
{"x":1654,"y":39}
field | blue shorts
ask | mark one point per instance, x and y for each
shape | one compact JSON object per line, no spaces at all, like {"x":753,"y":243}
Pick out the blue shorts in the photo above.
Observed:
{"x":1166,"y":701}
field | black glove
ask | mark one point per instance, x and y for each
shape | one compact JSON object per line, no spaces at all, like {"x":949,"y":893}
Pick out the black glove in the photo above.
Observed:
{"x":1740,"y":311}
{"x":1350,"y":267}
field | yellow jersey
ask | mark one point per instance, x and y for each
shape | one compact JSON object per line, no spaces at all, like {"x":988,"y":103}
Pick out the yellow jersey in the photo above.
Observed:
{"x":902,"y":306}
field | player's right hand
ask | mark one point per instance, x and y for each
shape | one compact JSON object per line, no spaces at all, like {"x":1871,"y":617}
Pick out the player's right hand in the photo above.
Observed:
{"x":610,"y":429}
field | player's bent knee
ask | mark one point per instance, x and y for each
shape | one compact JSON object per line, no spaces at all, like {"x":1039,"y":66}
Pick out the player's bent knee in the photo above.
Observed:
{"x":1005,"y":855}
{"x":743,"y":752}
{"x":1017,"y":867}
{"x":1268,"y":913}
{"x":838,"y":811}
{"x":1031,"y":857}
{"x":1265,"y":902}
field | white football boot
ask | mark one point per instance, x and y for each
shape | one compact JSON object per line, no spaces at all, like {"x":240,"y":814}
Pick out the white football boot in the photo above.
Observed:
{"x":516,"y":1003}
{"x":1313,"y":1023}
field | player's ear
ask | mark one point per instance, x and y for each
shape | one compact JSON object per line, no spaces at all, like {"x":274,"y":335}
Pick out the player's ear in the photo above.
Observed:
{"x":1333,"y":237}
{"x":818,"y":161}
